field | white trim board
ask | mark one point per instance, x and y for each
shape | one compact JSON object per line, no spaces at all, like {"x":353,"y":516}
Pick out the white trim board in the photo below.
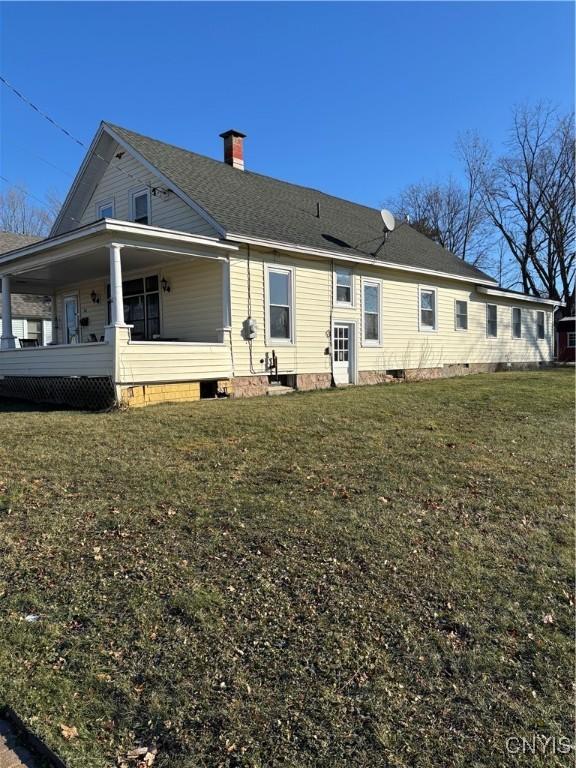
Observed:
{"x":517,"y":296}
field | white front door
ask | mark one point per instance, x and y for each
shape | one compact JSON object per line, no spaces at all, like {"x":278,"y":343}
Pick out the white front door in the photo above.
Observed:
{"x":71,"y":330}
{"x":343,"y":352}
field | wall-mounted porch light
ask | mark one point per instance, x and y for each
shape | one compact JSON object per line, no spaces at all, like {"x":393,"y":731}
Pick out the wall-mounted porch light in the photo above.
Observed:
{"x":165,"y":285}
{"x":95,"y":298}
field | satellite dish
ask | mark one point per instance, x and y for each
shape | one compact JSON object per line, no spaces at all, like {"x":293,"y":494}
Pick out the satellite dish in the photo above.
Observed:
{"x":388,"y":220}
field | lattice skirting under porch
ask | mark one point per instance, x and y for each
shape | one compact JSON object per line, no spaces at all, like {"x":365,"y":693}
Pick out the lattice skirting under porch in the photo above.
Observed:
{"x":92,"y":394}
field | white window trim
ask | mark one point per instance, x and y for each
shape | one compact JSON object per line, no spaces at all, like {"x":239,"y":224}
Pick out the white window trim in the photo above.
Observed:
{"x":427,"y":328}
{"x":516,"y":338}
{"x":568,"y":335}
{"x":105,"y":204}
{"x":348,"y":304}
{"x":462,"y":301}
{"x":378,"y":284}
{"x":134,"y":193}
{"x":269,"y":340}
{"x":538,"y":313}
{"x":136,"y":274}
{"x":492,"y":338}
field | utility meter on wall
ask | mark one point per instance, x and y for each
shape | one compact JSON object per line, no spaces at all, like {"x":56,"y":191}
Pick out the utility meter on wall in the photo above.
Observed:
{"x":249,"y":329}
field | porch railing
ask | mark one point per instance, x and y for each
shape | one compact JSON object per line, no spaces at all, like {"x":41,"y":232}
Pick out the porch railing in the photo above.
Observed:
{"x":93,"y":359}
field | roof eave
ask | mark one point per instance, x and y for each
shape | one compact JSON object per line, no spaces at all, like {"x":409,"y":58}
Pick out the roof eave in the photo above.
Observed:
{"x":294,"y":248}
{"x":519,"y":296}
{"x":115,"y":228}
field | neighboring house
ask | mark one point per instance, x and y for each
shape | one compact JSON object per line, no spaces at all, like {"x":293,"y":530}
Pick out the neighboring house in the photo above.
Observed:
{"x":567,"y":340}
{"x":175,"y":276}
{"x":31,"y":314}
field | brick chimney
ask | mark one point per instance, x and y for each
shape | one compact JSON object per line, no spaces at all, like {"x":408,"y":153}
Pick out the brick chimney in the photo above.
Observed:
{"x":234,"y":148}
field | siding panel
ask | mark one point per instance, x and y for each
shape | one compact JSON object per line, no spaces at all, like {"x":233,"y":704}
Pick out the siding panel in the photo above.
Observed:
{"x":169,"y":212}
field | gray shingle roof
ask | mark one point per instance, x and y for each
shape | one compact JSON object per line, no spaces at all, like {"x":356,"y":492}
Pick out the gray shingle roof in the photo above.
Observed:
{"x":23,"y":304}
{"x":257,"y":206}
{"x":9,"y":241}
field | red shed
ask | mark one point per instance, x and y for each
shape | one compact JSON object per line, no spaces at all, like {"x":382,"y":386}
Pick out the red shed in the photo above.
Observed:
{"x":567,"y":340}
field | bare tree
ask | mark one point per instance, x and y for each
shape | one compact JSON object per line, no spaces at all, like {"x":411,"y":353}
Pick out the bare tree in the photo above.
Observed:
{"x":450,"y":214}
{"x":19,"y":215}
{"x":528,"y":194}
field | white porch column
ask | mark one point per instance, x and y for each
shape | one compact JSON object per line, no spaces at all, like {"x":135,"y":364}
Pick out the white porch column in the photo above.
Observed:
{"x":8,"y":340}
{"x":226,"y":308}
{"x":116,"y":297}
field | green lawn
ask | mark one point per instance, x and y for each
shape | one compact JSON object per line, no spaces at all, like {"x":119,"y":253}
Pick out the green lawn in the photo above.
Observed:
{"x":375,"y":576}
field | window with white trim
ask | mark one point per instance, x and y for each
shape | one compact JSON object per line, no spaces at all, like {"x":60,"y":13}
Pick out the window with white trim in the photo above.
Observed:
{"x":140,"y":206}
{"x":343,"y":286}
{"x":516,"y":323}
{"x":571,"y":339}
{"x":105,"y":210}
{"x":371,"y":312}
{"x":141,"y":306}
{"x":280,"y":304}
{"x":491,"y":321}
{"x":427,"y":309}
{"x":461,"y":315}
{"x":540,"y":324}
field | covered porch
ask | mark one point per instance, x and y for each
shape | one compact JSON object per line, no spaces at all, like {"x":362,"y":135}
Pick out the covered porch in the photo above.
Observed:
{"x":133,"y":305}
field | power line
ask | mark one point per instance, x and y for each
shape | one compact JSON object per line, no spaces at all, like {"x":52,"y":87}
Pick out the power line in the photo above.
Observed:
{"x":71,"y":136}
{"x":37,"y":109}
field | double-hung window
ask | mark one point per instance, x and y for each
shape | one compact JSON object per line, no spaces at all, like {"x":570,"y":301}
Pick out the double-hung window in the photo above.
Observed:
{"x":491,"y":321}
{"x":371,"y":312}
{"x":105,"y":210}
{"x":516,"y":323}
{"x":141,"y":306}
{"x":343,"y":286}
{"x":280,"y":304}
{"x":140,"y":206}
{"x":461,"y":315}
{"x":427,"y":309}
{"x":540,"y":325}
{"x":571,"y":339}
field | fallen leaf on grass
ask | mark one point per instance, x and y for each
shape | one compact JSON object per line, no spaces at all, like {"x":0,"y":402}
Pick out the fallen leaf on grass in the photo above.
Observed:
{"x":68,"y":731}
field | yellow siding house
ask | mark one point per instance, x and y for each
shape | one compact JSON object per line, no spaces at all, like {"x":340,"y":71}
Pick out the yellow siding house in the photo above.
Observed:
{"x":175,"y":276}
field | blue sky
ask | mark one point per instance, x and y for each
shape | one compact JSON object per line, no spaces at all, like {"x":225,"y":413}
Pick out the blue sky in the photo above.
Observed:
{"x":356,"y":99}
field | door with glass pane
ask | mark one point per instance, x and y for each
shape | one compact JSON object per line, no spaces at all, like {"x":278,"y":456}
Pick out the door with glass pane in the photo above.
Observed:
{"x":71,"y":328}
{"x":343,"y":352}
